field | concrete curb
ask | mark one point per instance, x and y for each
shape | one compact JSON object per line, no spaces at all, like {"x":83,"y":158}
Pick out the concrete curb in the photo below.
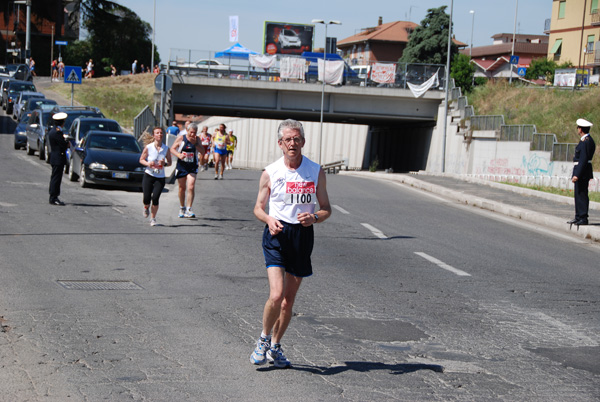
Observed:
{"x":587,"y":232}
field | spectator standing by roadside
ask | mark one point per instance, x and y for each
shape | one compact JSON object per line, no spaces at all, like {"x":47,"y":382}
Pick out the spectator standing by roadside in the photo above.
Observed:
{"x":58,"y":156}
{"x":155,"y":157}
{"x":291,"y":187}
{"x":89,"y":69}
{"x":156,"y":69}
{"x":134,"y":67}
{"x":54,"y":70}
{"x":32,"y":67}
{"x":61,"y":69}
{"x":186,"y":148}
{"x":173,"y":129}
{"x":113,"y":71}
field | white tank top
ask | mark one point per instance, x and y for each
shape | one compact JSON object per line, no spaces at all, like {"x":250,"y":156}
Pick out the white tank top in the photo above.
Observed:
{"x":292,"y":191}
{"x":154,"y":155}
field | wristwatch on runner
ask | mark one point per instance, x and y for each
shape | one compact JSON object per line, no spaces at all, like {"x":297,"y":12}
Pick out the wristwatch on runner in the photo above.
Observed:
{"x":316,"y":217}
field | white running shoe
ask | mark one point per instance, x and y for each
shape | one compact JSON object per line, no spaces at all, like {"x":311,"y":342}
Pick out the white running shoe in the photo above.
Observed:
{"x":181,"y":212}
{"x":276,"y":357}
{"x":189,"y":214}
{"x":146,"y":212}
{"x":221,"y":177}
{"x":259,"y":355}
{"x":153,"y":222}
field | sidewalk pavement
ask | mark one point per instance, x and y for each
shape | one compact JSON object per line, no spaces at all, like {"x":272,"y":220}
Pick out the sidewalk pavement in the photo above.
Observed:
{"x":549,"y":210}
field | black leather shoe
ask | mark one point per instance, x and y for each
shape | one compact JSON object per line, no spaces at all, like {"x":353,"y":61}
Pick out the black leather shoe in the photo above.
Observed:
{"x":581,"y":222}
{"x":57,"y":202}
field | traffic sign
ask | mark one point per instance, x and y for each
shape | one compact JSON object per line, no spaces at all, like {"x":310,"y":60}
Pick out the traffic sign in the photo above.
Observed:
{"x":163,"y":82}
{"x":521,"y":71}
{"x":514,"y":59}
{"x":61,"y":42}
{"x":72,"y":75}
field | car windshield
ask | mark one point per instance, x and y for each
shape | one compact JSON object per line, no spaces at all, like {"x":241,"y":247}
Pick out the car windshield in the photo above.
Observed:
{"x":24,"y":97}
{"x":73,"y":115}
{"x":20,"y":87}
{"x":288,"y":32}
{"x":25,"y":118}
{"x":34,"y":104}
{"x":86,"y":125}
{"x":121,"y":143}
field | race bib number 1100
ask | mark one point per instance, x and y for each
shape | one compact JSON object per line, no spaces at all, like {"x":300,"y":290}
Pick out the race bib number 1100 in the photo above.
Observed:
{"x":300,"y":192}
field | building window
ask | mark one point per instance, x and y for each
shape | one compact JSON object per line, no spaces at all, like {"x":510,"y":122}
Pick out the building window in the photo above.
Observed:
{"x":561,"y":9}
{"x":590,"y":44}
{"x":594,"y":7}
{"x":556,"y":49}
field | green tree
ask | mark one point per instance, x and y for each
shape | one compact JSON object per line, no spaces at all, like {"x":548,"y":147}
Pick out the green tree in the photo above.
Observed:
{"x":544,"y":69}
{"x":462,"y":71}
{"x":429,"y":42}
{"x":116,"y":35}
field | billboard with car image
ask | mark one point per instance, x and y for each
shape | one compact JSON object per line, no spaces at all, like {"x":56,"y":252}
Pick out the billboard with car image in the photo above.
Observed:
{"x":287,"y":38}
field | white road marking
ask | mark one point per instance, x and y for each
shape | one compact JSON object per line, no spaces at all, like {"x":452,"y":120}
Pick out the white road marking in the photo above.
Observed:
{"x":28,"y":159}
{"x":375,"y":231}
{"x":342,"y":210}
{"x":118,"y":210}
{"x":442,"y":264}
{"x":6,"y":204}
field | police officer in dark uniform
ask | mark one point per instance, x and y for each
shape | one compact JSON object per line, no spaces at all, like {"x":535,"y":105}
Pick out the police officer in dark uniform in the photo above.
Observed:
{"x":582,"y":172}
{"x":58,"y":157}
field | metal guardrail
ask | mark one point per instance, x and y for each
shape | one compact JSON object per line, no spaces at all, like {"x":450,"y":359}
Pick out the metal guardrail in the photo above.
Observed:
{"x":543,"y":142}
{"x":517,"y":132}
{"x":334,"y":167}
{"x":144,"y":120}
{"x":563,"y":151}
{"x":487,"y":123}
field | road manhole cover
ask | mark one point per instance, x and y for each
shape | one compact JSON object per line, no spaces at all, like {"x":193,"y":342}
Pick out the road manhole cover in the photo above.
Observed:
{"x":99,"y":285}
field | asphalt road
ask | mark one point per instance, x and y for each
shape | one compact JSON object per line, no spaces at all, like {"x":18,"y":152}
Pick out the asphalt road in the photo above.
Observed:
{"x":413,"y":298}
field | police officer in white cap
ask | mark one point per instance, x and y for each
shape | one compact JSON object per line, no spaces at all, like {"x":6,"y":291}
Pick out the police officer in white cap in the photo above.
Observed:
{"x":58,"y":157}
{"x":582,"y":172}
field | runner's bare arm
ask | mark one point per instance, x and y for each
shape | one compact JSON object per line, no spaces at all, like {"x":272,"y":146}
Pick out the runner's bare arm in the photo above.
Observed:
{"x":264,"y":191}
{"x":175,"y":146}
{"x":143,"y":157}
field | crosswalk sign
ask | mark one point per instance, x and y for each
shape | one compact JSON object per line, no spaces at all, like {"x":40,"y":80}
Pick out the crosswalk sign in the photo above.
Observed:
{"x":72,"y":75}
{"x":521,"y":71}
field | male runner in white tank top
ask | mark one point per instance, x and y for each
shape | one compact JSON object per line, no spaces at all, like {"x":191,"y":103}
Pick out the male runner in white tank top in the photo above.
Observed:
{"x":291,"y":187}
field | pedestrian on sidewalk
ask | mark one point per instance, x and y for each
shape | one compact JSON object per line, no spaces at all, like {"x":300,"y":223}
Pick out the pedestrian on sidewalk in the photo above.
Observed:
{"x":155,"y":157}
{"x":291,"y":186}
{"x":583,"y":172}
{"x":58,"y":156}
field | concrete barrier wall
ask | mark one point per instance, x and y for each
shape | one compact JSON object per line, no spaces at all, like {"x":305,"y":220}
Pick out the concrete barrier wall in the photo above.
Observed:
{"x":257,"y":141}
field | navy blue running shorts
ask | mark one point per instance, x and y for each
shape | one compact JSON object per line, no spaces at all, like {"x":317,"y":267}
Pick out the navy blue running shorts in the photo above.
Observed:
{"x":290,"y":249}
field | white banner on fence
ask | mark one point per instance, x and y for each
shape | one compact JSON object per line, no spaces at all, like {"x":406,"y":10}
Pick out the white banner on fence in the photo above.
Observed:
{"x":384,"y":73}
{"x":419,"y":90}
{"x":262,"y":60}
{"x":334,"y":72}
{"x":234,"y":23}
{"x":292,"y":67}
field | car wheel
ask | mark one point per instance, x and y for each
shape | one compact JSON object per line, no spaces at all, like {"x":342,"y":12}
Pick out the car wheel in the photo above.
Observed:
{"x":82,"y":181}
{"x":72,"y":175}
{"x":47,"y":152}
{"x":17,"y":146}
{"x":41,"y":153}
{"x":29,"y":150}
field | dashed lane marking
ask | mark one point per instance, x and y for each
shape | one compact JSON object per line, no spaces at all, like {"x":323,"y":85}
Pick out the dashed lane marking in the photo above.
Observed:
{"x":375,"y":231}
{"x":442,"y":264}
{"x":342,"y":210}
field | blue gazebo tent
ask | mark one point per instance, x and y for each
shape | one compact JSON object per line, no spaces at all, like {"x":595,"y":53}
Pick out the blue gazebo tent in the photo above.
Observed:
{"x":236,"y":51}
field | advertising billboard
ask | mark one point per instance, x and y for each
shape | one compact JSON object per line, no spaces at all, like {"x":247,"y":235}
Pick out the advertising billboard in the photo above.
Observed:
{"x":286,"y":38}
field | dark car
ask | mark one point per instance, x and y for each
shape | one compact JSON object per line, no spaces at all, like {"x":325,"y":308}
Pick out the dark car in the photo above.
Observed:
{"x":107,"y":158}
{"x":22,"y":99}
{"x":34,"y":103}
{"x":82,"y":125}
{"x":36,"y":130}
{"x":17,"y":72}
{"x":21,"y":131}
{"x":12,"y":93}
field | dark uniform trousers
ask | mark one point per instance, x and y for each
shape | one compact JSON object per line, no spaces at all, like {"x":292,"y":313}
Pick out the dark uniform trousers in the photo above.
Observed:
{"x":584,"y":152}
{"x":58,"y":160}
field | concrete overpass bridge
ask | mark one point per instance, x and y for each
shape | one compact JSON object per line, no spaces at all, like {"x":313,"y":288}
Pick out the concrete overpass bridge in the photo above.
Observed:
{"x":400,"y":125}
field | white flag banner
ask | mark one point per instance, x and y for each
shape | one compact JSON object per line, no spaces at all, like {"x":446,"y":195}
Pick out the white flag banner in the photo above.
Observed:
{"x":334,"y":71}
{"x":234,"y":23}
{"x":419,"y":90}
{"x":292,"y":67}
{"x":262,"y":60}
{"x":383,"y":73}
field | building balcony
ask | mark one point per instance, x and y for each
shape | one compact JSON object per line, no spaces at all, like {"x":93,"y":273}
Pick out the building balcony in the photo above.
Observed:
{"x":595,"y":18}
{"x":547,"y":26}
{"x":592,"y":58}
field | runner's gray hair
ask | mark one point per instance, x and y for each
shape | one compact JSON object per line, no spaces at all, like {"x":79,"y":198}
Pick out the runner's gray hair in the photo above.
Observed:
{"x":290,"y":123}
{"x":192,"y":126}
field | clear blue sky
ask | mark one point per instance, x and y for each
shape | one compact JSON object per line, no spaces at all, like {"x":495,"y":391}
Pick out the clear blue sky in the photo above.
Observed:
{"x":200,"y":25}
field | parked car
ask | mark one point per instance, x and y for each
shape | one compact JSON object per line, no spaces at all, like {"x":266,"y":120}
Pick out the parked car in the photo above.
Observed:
{"x":33,"y":103}
{"x":38,"y":125}
{"x":17,"y":72}
{"x":21,"y":99}
{"x":74,"y":112}
{"x":107,"y":158}
{"x":202,"y":67}
{"x":81,"y":126}
{"x":21,"y":131}
{"x":289,"y":39}
{"x":12,"y":92}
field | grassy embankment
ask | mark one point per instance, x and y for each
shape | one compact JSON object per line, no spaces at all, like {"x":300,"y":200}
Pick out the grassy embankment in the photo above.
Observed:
{"x":120,"y":98}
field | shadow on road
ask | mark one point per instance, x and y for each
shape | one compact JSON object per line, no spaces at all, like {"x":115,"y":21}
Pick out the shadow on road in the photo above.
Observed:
{"x":363,"y":367}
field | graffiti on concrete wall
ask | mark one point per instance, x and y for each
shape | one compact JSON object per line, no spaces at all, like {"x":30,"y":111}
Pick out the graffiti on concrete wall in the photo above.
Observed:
{"x":502,"y":166}
{"x":537,"y":165}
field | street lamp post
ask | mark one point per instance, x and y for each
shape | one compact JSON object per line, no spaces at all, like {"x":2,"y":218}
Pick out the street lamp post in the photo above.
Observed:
{"x":153,"y":36}
{"x":331,"y":22}
{"x":472,"y":26}
{"x":447,"y":95}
